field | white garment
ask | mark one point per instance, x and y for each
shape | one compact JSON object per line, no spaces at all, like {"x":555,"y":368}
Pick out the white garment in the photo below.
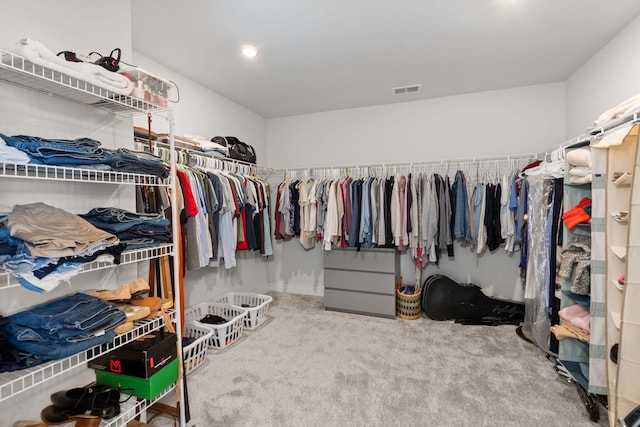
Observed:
{"x":577,"y":157}
{"x":10,"y":154}
{"x":507,"y":222}
{"x":307,"y":236}
{"x":580,"y":171}
{"x":625,"y":107}
{"x":331,"y":220}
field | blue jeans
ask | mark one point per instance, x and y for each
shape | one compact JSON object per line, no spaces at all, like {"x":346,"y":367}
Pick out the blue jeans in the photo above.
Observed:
{"x":155,"y":233}
{"x":124,"y":160}
{"x":41,"y":351}
{"x":115,"y":220}
{"x":78,"y":312}
{"x":60,"y":152}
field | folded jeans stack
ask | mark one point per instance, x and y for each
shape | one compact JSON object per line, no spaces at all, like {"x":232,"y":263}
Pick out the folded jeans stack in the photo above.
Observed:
{"x":62,"y":327}
{"x":123,"y":160}
{"x":85,"y":152}
{"x":133,"y":229}
{"x":60,"y":152}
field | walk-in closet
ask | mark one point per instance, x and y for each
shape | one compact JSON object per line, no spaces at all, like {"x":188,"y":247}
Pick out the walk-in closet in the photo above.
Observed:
{"x":293,"y":213}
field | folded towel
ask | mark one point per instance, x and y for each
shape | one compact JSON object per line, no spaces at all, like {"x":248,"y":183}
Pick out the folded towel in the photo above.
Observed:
{"x":578,"y":316}
{"x":581,"y":179}
{"x":579,"y":157}
{"x":580,"y":171}
{"x":625,"y":107}
{"x":37,"y":53}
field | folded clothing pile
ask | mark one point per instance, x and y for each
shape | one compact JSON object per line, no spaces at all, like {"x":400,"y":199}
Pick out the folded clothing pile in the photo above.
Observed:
{"x":576,"y":263}
{"x":95,"y":74}
{"x":627,"y":106}
{"x":581,"y":170}
{"x":83,"y":152}
{"x":581,"y":213}
{"x":576,"y":321}
{"x":62,"y":327}
{"x":43,"y":245}
{"x":134,"y":230}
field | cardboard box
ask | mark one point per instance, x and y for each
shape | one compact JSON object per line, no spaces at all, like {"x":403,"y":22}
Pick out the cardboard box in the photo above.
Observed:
{"x":140,"y":358}
{"x":143,"y":388}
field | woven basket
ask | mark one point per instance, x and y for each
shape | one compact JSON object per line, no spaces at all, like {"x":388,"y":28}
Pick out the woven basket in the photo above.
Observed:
{"x":409,"y":306}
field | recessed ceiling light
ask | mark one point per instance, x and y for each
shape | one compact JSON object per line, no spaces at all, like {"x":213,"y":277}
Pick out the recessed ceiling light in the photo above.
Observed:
{"x":249,"y":51}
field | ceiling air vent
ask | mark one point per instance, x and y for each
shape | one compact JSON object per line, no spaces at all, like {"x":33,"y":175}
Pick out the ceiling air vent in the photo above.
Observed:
{"x":406,"y":89}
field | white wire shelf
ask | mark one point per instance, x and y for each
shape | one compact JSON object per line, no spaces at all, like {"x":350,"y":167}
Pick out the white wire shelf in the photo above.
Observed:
{"x":22,"y":72}
{"x":60,"y":173}
{"x":127,"y":257}
{"x":129,"y":412}
{"x":16,"y":382}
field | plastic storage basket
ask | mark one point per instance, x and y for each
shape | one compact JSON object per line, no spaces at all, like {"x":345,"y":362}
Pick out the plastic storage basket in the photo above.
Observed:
{"x":224,"y":334}
{"x":257,"y":306}
{"x":194,"y":354}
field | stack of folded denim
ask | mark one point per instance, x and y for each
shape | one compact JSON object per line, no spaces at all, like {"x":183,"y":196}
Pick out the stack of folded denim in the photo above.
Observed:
{"x":123,"y":160}
{"x":42,"y":245}
{"x":60,"y":152}
{"x":84,"y":152}
{"x":63,"y":327}
{"x":9,"y":355}
{"x":135,"y":230}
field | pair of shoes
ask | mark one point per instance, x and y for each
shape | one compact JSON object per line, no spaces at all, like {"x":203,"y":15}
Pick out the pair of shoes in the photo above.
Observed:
{"x":133,"y":311}
{"x":122,"y":293}
{"x":56,"y":416}
{"x":152,"y":303}
{"x":94,"y":401}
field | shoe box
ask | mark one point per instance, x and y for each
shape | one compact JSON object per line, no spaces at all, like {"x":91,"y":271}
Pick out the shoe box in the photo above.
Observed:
{"x":144,"y":388}
{"x":141,"y":358}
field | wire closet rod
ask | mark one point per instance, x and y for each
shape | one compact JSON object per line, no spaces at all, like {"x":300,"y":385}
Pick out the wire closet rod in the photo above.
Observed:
{"x":223,"y":159}
{"x":421,"y":163}
{"x":595,"y":133}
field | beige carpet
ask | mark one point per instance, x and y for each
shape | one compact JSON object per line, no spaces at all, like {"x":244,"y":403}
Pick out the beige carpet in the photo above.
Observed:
{"x":310,"y":367}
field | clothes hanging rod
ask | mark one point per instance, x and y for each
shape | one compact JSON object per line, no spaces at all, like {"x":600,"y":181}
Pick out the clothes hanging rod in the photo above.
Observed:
{"x":223,"y":159}
{"x":421,"y":163}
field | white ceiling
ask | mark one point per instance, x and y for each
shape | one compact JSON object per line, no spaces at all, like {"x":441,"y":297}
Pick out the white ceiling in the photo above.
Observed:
{"x":320,"y":55}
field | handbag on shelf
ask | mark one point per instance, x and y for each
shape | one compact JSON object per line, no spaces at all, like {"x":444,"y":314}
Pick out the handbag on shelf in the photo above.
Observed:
{"x":239,"y":150}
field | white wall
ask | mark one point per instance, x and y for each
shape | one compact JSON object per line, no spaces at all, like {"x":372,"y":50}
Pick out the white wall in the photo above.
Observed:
{"x":497,"y":123}
{"x":609,"y":77}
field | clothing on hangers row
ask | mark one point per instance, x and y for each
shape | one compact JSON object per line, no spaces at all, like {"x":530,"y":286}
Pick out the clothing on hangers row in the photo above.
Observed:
{"x":424,"y":213}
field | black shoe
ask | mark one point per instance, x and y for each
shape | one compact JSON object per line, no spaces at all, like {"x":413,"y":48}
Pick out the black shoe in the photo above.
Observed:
{"x":100,"y":399}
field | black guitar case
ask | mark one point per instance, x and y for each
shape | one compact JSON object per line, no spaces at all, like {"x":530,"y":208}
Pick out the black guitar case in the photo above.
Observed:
{"x":444,"y":299}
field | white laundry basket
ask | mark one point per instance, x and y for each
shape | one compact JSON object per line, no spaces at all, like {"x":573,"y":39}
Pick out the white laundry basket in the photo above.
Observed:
{"x":194,"y":354}
{"x":257,"y":306}
{"x":224,"y":334}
